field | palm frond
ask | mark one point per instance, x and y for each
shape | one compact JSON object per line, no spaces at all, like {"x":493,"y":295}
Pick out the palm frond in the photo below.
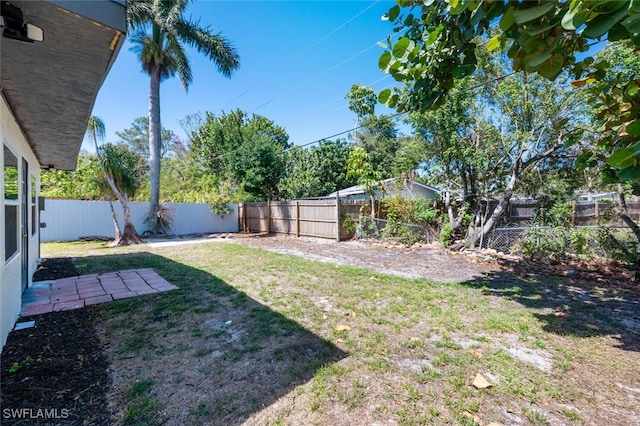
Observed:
{"x":139,"y":14}
{"x":177,"y":52}
{"x":96,"y":128}
{"x":215,"y":46}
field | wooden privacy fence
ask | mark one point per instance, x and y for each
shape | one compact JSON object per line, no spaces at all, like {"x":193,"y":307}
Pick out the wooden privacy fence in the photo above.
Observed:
{"x":302,"y":218}
{"x":583,"y":213}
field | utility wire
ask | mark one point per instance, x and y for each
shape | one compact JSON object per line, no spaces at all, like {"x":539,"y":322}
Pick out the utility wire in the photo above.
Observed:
{"x":302,"y":52}
{"x":502,"y":77}
{"x":304,"y":83}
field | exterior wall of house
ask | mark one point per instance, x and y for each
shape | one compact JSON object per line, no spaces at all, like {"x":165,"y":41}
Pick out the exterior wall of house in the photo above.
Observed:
{"x":11,"y":268}
{"x":419,"y":192}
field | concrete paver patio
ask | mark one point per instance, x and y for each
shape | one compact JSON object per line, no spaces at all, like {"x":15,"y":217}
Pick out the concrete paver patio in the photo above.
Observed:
{"x":76,"y":292}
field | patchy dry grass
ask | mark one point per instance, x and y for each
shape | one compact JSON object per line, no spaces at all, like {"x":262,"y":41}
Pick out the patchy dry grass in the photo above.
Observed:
{"x":264,"y":338}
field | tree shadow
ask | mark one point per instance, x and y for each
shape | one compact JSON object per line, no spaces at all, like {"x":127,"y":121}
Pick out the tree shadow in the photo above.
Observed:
{"x":209,"y":353}
{"x":576,"y":303}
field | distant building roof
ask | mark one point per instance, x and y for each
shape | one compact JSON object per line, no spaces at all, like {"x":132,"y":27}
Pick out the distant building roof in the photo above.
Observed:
{"x":359,"y":189}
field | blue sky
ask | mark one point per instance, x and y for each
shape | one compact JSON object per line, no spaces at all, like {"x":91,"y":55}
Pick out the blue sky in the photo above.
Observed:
{"x":298,"y":61}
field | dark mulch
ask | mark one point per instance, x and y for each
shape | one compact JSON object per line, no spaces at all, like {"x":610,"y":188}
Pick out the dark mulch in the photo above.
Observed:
{"x":55,"y":373}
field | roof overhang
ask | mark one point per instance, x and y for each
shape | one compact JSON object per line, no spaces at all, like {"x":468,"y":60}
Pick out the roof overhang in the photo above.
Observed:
{"x":51,"y":86}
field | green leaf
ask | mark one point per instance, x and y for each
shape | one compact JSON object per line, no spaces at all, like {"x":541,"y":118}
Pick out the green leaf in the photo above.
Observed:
{"x":494,"y":43}
{"x":536,"y":60}
{"x":394,"y":12}
{"x":623,"y":158}
{"x":384,"y":96}
{"x":507,"y":19}
{"x":459,"y":7}
{"x":617,"y":33}
{"x":383,"y":62}
{"x":632,"y":23}
{"x":523,"y":16}
{"x":409,"y":20}
{"x":603,"y":23}
{"x":433,"y":35}
{"x":552,"y":67}
{"x":629,"y":173}
{"x":477,"y":15}
{"x":634,"y":128}
{"x":609,"y":6}
{"x":540,"y":30}
{"x":400,"y":48}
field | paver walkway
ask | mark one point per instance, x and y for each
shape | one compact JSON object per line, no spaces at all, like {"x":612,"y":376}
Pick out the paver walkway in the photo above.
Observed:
{"x":76,"y":292}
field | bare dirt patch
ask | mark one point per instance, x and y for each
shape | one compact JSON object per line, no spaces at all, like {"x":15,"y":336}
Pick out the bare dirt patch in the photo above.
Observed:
{"x":415,"y":261}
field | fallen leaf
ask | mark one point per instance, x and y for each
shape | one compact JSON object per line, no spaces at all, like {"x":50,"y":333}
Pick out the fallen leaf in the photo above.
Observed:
{"x":475,"y":353}
{"x":475,"y":417}
{"x":561,"y":314}
{"x":342,"y":327}
{"x":480,"y":382}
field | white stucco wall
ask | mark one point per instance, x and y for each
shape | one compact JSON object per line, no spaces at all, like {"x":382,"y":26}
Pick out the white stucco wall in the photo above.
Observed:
{"x":10,"y":270}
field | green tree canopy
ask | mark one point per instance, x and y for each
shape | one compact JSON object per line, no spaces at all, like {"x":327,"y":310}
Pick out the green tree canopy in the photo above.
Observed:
{"x":247,"y":149}
{"x":439,"y":39}
{"x":136,"y":137}
{"x":318,"y":170}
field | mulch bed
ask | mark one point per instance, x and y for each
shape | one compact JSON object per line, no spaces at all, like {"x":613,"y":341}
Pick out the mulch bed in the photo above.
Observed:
{"x":55,"y":373}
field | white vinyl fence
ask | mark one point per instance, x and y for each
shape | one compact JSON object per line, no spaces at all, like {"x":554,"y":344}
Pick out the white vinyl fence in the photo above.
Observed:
{"x":68,"y":220}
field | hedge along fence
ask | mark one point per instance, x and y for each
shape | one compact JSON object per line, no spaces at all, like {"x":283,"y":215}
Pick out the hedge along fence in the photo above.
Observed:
{"x":302,"y":218}
{"x":68,"y":220}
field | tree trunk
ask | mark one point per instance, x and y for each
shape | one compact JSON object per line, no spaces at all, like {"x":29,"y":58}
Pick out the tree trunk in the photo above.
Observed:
{"x":154,"y":150}
{"x":129,"y":236}
{"x":635,"y":228}
{"x":116,"y":225}
{"x":480,"y":232}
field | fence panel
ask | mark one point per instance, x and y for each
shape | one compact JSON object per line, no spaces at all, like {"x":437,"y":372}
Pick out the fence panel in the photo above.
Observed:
{"x":303,"y":218}
{"x":68,"y":220}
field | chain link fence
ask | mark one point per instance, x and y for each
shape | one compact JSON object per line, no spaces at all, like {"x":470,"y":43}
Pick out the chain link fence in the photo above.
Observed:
{"x":604,"y":241}
{"x":406,"y":233}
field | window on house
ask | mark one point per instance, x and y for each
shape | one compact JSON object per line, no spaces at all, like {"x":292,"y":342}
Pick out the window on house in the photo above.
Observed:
{"x":10,"y":203}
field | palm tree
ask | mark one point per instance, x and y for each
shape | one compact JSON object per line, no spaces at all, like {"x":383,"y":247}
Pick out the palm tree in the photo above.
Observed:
{"x":97,"y":130}
{"x":160,"y":33}
{"x":117,"y":177}
{"x":119,"y":165}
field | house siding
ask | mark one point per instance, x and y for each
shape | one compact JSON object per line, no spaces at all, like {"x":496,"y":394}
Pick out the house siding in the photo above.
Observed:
{"x":11,"y":269}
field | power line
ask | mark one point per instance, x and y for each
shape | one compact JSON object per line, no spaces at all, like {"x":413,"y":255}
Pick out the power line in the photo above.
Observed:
{"x":328,"y":70}
{"x":302,"y":52}
{"x":341,"y":99}
{"x":502,"y":77}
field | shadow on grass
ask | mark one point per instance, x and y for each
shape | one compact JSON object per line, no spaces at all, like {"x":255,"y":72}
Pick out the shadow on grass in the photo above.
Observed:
{"x":580,"y":306}
{"x":209,"y":353}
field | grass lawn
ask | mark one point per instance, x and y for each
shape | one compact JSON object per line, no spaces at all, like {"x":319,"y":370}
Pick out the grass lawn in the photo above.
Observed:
{"x":264,"y":338}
